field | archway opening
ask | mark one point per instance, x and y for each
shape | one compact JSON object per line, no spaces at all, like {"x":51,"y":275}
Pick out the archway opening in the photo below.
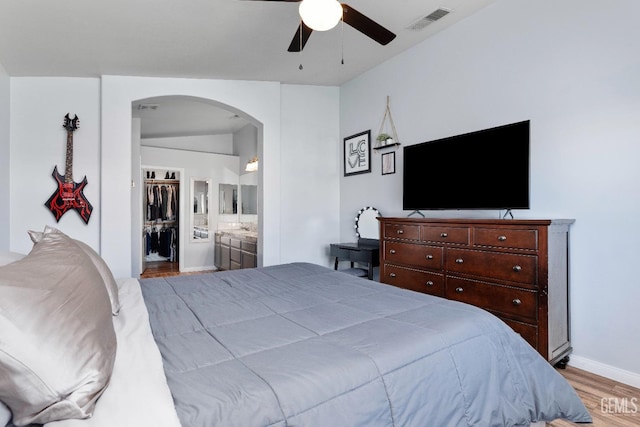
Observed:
{"x":187,"y":140}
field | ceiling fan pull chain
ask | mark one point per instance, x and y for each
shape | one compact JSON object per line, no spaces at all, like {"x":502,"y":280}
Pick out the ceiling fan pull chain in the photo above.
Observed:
{"x":342,"y":40}
{"x":300,"y":67}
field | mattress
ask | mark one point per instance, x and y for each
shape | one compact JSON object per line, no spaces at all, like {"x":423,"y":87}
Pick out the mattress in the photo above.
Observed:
{"x":303,"y":345}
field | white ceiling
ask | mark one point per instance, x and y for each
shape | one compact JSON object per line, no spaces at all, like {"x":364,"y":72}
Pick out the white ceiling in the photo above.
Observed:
{"x":218,"y":39}
{"x":172,"y":116}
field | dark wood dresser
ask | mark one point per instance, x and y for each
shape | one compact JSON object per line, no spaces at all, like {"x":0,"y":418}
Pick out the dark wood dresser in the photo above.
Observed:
{"x":515,"y":269}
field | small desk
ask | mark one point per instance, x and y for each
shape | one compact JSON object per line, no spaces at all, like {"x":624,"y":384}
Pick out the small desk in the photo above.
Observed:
{"x":364,"y":251}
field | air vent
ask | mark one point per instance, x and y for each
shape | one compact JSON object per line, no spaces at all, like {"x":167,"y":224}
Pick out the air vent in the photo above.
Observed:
{"x":430,"y":18}
{"x":148,"y":107}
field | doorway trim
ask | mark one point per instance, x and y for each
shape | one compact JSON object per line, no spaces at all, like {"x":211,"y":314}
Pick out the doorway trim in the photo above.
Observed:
{"x":181,"y":213}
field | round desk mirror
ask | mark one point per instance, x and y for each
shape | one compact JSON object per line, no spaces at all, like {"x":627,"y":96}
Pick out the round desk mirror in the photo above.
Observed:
{"x":367,"y":226}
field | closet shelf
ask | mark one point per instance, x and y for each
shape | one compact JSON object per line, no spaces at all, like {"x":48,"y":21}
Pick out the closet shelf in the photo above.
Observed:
{"x":162,"y":181}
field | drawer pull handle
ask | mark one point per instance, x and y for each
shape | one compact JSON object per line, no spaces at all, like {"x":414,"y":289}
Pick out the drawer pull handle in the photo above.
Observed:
{"x":502,"y":238}
{"x":516,"y":301}
{"x":392,"y":274}
{"x":429,"y":283}
{"x":392,"y":251}
{"x":459,"y":290}
{"x":517,"y":268}
{"x":400,"y":231}
{"x":459,"y":260}
{"x":444,"y":235}
{"x":429,"y":256}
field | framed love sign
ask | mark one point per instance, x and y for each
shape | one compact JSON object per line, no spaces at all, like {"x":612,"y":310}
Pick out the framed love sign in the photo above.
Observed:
{"x":357,"y":153}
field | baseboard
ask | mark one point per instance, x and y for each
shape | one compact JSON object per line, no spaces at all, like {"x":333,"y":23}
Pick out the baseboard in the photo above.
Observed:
{"x":199,"y":268}
{"x":608,"y":371}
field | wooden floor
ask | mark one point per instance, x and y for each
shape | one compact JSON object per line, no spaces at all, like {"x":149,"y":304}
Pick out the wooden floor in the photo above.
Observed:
{"x":611,"y":404}
{"x":165,"y":269}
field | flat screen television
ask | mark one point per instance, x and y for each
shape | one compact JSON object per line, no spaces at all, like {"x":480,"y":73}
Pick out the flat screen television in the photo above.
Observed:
{"x":486,"y":169}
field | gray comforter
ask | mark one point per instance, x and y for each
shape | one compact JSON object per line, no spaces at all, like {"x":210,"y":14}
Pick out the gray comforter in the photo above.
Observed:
{"x":302,"y":345}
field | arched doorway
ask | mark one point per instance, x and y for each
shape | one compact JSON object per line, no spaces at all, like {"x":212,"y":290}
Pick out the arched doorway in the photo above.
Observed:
{"x":181,"y":139}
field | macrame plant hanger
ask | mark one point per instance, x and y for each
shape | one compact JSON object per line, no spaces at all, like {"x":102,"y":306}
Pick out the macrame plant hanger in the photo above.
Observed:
{"x":387,"y":114}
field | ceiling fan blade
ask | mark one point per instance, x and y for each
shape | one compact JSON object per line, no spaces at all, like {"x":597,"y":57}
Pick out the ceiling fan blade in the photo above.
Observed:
{"x":298,"y":42}
{"x":366,"y":25}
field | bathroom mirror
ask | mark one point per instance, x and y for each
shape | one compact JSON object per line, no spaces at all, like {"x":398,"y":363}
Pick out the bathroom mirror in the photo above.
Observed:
{"x":249,"y":199}
{"x":228,"y":194}
{"x":200,"y":188}
{"x":367,"y":226}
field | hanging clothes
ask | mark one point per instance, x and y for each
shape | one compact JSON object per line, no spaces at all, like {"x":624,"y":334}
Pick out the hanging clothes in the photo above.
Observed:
{"x":160,"y":234}
{"x":162,"y":202}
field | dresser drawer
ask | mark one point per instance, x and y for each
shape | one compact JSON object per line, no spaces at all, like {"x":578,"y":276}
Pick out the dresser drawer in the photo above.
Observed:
{"x":249,"y":260}
{"x":415,"y":280}
{"x":401,"y":231}
{"x":526,"y":331}
{"x":429,"y":257}
{"x":497,"y":265}
{"x":502,"y":299}
{"x":249,"y":247}
{"x":235,"y":255}
{"x":458,"y":235}
{"x":506,"y":238}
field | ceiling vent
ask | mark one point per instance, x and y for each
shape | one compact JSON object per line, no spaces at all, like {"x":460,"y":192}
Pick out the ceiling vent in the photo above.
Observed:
{"x":148,"y":107}
{"x":430,"y":18}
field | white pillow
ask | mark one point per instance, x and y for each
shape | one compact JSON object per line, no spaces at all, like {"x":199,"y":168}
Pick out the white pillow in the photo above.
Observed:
{"x":5,"y":415}
{"x":58,"y":344}
{"x":9,"y":257}
{"x":103,"y":268}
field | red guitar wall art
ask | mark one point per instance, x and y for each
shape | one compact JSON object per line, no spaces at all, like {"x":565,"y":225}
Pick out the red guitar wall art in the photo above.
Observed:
{"x":69,"y":194}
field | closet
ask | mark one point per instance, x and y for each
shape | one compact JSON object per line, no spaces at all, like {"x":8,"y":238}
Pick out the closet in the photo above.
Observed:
{"x":161,"y":218}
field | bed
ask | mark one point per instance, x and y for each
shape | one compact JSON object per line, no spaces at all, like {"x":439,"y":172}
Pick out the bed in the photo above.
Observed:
{"x":303,"y":345}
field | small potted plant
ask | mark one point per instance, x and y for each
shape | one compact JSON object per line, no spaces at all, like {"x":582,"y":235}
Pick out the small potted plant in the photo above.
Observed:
{"x":384,"y":139}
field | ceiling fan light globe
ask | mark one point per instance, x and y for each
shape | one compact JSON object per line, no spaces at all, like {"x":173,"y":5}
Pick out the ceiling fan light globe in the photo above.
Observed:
{"x":320,"y":15}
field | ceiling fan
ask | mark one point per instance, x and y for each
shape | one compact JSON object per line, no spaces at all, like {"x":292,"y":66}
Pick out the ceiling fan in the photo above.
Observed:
{"x":346,"y":13}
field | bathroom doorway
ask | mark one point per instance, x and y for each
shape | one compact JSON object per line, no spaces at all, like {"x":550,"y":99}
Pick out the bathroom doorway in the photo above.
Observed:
{"x":192,"y":137}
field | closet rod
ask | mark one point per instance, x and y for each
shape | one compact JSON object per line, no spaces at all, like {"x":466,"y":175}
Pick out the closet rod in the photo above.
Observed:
{"x":162,"y":181}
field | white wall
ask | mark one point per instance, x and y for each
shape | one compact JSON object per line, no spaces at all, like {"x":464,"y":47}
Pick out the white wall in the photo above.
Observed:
{"x":38,"y":143}
{"x":203,"y":143}
{"x":137,"y":241}
{"x":196,"y":255}
{"x":574,"y":74}
{"x":245,"y":146}
{"x":311,"y":174}
{"x":259,"y":102}
{"x":5,"y":173}
{"x":256,"y":101}
{"x":104,"y":154}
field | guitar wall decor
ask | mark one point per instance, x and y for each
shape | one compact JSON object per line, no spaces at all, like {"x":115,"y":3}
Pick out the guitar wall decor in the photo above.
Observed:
{"x":69,"y":194}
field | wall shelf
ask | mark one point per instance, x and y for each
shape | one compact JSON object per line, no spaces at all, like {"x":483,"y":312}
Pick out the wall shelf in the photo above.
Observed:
{"x":380,"y":147}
